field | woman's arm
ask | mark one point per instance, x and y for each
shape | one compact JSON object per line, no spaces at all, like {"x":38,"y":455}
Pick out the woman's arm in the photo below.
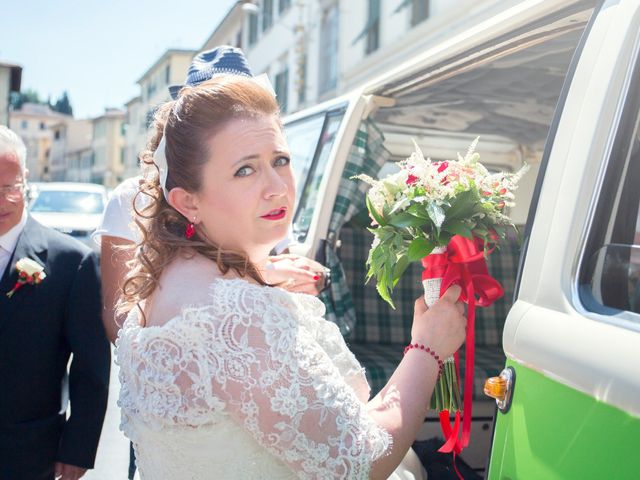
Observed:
{"x":113,"y":268}
{"x":276,"y":380}
{"x":402,"y":405}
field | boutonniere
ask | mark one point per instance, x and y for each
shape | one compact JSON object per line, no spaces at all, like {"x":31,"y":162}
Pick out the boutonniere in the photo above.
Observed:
{"x":29,"y":272}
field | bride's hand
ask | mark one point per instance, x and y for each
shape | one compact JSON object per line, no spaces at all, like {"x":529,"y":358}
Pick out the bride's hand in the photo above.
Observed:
{"x":295,"y":273}
{"x":441,"y":327}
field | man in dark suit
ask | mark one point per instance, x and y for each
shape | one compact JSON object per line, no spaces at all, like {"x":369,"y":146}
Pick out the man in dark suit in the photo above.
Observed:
{"x":49,"y":312}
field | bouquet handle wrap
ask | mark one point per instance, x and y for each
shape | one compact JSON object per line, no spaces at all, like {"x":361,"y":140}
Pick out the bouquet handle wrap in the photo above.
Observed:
{"x":432,"y":287}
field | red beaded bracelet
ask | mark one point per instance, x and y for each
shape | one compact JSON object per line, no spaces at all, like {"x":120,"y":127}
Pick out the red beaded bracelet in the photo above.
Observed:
{"x":419,"y":346}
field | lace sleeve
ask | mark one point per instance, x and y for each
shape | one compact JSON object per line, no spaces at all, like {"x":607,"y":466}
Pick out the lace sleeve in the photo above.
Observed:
{"x":282,"y":386}
{"x":251,"y":355}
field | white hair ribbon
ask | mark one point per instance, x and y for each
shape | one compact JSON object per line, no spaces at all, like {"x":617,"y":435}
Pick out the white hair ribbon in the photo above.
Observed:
{"x":160,"y":159}
{"x":264,"y":82}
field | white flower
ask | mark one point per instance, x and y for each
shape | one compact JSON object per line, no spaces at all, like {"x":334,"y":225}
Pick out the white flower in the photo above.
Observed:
{"x":30,"y":267}
{"x":29,"y":273}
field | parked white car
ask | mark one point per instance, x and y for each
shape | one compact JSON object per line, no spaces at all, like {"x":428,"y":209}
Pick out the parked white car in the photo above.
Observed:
{"x":71,"y":208}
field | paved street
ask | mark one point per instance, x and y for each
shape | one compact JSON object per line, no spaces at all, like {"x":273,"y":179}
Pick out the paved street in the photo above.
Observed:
{"x":112,"y":461}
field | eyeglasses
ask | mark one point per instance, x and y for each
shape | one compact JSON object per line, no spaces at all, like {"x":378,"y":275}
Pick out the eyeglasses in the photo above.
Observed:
{"x":13,"y":193}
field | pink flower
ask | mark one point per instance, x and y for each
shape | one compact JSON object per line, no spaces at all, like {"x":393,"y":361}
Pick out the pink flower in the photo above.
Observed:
{"x":412,"y":179}
{"x":443,"y":166}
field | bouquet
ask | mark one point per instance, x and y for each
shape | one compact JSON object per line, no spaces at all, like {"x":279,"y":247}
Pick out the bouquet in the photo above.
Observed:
{"x":448,"y":215}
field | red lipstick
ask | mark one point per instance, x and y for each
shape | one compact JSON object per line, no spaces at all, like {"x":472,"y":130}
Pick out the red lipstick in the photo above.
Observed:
{"x":277,"y":214}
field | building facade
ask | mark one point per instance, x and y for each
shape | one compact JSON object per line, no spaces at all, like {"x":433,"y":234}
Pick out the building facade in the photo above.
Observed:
{"x":135,"y":138}
{"x":108,"y":148}
{"x":268,"y":34}
{"x":10,"y":79}
{"x":34,"y":122}
{"x":314,"y":50}
{"x":70,"y":138}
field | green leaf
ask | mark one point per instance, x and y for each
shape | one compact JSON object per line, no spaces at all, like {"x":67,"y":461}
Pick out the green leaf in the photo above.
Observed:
{"x":501,"y":231}
{"x":463,"y":205}
{"x":403,"y":220}
{"x":418,"y":210}
{"x":459,"y":228}
{"x":436,"y":214}
{"x":375,"y":261}
{"x":419,"y":248}
{"x":400,"y":267}
{"x":383,"y":291}
{"x":384,"y":233}
{"x":383,"y":285}
{"x":379,"y":220}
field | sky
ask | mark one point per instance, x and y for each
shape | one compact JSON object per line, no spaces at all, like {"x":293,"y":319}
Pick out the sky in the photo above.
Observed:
{"x":96,"y":50}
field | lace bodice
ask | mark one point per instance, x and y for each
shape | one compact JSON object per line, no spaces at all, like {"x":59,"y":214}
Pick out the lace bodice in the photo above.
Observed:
{"x":252,"y":384}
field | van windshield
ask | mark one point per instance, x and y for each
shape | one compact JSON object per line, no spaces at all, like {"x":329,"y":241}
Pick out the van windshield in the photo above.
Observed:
{"x":302,"y":137}
{"x":311,"y":178}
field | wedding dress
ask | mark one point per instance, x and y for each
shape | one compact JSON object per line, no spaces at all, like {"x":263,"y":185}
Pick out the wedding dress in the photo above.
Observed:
{"x":252,"y":384}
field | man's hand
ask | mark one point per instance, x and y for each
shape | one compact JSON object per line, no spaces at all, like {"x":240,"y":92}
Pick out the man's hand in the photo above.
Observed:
{"x":295,"y":273}
{"x":69,"y":472}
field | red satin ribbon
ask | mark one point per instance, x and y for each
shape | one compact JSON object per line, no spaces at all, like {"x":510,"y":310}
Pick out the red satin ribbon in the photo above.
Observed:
{"x":463,"y":264}
{"x":451,"y":435}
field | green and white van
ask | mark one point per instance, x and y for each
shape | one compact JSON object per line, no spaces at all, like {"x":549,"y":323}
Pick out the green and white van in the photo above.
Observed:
{"x":554,"y":84}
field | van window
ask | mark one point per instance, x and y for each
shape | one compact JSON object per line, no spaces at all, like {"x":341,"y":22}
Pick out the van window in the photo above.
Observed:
{"x":308,"y":193}
{"x":303,"y":137}
{"x":610,"y":272}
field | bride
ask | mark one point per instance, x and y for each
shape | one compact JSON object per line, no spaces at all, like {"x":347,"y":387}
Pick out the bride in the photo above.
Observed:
{"x":224,"y":376}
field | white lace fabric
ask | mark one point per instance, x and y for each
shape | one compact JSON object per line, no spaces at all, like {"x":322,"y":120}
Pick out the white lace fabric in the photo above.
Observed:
{"x":253,"y":384}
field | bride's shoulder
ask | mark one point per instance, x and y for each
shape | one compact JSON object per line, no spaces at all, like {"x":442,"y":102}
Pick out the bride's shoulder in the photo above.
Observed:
{"x":184,"y":282}
{"x":245,"y":294}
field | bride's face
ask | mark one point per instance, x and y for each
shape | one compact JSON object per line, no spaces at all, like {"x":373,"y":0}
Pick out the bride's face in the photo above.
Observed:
{"x":247,"y":195}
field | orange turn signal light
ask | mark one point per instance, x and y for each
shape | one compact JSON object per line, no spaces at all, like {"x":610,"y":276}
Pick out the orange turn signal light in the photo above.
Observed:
{"x":501,"y":388}
{"x":496,"y":387}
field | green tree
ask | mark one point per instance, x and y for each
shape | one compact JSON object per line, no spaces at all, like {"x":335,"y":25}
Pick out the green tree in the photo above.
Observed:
{"x":63,"y":105}
{"x":28,"y":96}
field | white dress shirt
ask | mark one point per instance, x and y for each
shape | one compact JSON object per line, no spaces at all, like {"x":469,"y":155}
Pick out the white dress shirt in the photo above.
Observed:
{"x":9,"y":240}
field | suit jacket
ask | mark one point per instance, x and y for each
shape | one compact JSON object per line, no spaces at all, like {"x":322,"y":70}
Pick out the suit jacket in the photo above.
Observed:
{"x":41,"y":327}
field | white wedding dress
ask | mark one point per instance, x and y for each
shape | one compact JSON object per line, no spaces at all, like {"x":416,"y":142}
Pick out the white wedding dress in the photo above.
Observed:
{"x":252,"y":384}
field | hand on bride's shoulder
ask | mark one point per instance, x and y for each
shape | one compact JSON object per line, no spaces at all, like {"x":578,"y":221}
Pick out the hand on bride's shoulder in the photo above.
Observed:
{"x":295,"y":273}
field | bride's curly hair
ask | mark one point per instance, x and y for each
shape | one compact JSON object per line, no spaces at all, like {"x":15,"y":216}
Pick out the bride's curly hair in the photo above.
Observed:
{"x":188,"y":124}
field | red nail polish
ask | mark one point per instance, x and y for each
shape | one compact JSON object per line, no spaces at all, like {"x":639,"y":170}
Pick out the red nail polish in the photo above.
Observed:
{"x":316,"y":277}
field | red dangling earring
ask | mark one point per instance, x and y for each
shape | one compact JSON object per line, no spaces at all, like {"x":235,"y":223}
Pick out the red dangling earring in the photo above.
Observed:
{"x":190,"y":231}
